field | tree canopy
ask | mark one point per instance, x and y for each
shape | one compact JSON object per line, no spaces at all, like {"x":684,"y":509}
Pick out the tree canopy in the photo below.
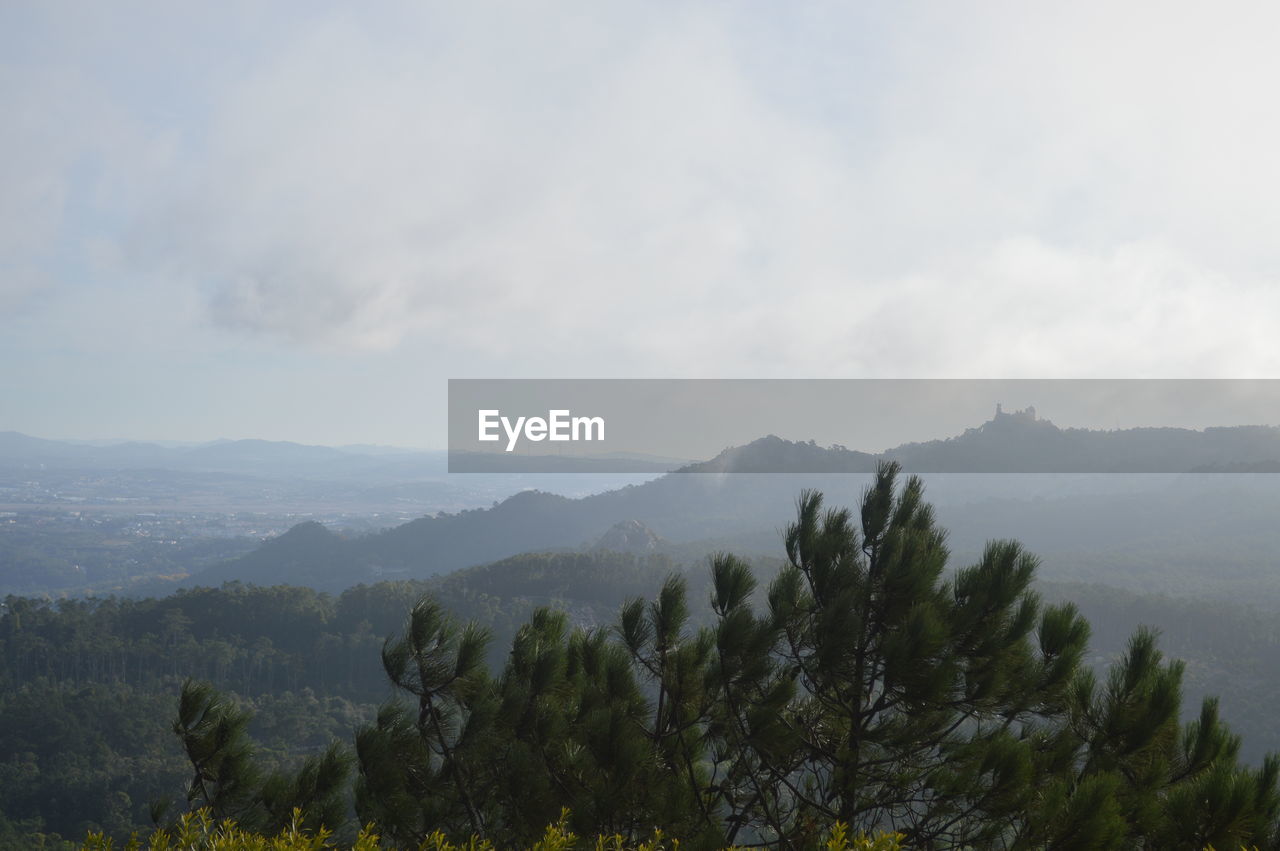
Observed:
{"x":869,"y":686}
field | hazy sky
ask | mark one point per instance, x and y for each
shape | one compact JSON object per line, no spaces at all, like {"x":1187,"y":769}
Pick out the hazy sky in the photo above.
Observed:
{"x":296,"y":221}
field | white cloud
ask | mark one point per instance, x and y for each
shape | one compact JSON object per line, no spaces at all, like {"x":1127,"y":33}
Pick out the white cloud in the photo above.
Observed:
{"x":354,"y":195}
{"x":725,"y":190}
{"x":40,"y":154}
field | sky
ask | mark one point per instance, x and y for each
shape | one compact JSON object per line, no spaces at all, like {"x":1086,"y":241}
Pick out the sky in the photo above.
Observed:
{"x":296,"y":221}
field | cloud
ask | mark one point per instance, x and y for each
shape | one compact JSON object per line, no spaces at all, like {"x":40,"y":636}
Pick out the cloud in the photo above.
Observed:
{"x":351,"y":194}
{"x":1029,"y":308}
{"x":40,"y":155}
{"x":720,"y":189}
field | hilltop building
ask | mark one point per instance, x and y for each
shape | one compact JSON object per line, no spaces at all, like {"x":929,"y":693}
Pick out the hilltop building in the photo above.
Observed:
{"x":1027,"y":415}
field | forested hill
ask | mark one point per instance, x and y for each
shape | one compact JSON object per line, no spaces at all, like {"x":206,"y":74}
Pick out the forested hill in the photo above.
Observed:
{"x":87,"y":688}
{"x":679,"y":508}
{"x":683,"y":508}
{"x":1021,"y":442}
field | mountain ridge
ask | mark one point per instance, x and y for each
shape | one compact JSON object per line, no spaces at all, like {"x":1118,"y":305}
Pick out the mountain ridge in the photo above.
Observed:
{"x":682,"y":506}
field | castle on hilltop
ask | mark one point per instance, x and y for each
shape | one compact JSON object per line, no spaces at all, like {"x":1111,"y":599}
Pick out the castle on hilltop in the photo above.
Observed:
{"x":1027,"y":415}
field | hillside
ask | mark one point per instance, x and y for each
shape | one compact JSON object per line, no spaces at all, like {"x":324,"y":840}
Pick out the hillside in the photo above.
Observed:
{"x":307,"y":664}
{"x":1021,"y":442}
{"x":1130,"y":515}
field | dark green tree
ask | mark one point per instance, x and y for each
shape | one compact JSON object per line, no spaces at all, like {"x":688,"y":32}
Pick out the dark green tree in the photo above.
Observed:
{"x":1168,"y":785}
{"x":921,"y":699}
{"x":420,"y":765}
{"x":872,"y":685}
{"x":319,"y":788}
{"x":214,"y":733}
{"x":226,"y":779}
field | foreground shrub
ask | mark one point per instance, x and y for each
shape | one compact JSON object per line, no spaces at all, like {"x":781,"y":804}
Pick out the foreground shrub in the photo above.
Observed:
{"x":198,"y":831}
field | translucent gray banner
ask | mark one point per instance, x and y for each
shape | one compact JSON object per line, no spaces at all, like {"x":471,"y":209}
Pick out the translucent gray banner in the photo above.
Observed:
{"x":849,"y":425}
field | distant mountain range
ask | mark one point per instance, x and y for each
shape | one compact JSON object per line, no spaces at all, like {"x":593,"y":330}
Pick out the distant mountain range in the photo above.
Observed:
{"x":279,"y":476}
{"x":1016,"y":441}
{"x":271,"y":457}
{"x":744,"y":510}
{"x":1020,"y":442}
{"x":282,"y":457}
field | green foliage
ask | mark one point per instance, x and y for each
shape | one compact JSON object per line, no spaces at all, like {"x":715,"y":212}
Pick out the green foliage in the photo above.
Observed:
{"x":868,"y":686}
{"x":73,"y":760}
{"x":414,"y":762}
{"x":873,"y":689}
{"x":213,"y":734}
{"x":198,"y":831}
{"x":228,"y":783}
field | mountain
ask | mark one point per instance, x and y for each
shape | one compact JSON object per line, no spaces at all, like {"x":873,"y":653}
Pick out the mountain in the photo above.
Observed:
{"x":1017,"y":441}
{"x":698,"y":509}
{"x":273,"y":477}
{"x":630,"y":536}
{"x":18,"y":449}
{"x":677,"y":507}
{"x":1021,"y":442}
{"x":308,"y":554}
{"x":772,"y":454}
{"x":254,"y":457}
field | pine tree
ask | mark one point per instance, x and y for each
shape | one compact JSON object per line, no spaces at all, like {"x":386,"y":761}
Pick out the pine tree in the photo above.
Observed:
{"x":1170,"y":786}
{"x":919,"y":697}
{"x":227,"y":781}
{"x":418,"y":765}
{"x":872,"y":687}
{"x":214,"y":735}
